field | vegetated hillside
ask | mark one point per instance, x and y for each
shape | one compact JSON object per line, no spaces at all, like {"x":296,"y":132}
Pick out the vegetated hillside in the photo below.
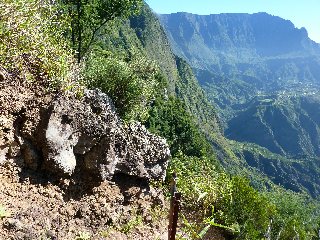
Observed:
{"x":295,"y":174}
{"x":284,"y":125}
{"x":263,"y":76}
{"x":144,"y":34}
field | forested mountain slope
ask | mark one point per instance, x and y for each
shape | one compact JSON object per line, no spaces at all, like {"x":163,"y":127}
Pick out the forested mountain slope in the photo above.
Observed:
{"x":144,"y":34}
{"x":239,"y":56}
{"x":263,"y":76}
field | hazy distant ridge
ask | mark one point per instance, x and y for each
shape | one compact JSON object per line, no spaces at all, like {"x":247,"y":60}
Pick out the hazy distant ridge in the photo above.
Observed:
{"x":243,"y":36}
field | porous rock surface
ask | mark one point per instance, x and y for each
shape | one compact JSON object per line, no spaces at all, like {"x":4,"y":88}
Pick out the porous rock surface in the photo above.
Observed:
{"x":87,"y":135}
{"x":65,"y":135}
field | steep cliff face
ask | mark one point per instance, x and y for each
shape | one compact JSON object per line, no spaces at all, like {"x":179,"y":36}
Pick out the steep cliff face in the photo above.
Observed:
{"x":204,"y":40}
{"x":145,"y":34}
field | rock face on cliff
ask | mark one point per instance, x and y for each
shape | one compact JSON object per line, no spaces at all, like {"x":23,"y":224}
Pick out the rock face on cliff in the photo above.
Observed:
{"x":65,"y":135}
{"x":87,"y":134}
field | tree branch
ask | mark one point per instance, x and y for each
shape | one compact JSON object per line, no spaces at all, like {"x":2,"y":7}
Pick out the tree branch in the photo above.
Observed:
{"x":94,"y":32}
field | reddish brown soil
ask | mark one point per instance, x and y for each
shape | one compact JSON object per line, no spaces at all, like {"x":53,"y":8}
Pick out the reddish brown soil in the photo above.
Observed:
{"x":41,"y":209}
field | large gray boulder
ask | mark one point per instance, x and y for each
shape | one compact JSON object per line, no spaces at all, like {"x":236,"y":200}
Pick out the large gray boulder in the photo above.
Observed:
{"x":88,"y":135}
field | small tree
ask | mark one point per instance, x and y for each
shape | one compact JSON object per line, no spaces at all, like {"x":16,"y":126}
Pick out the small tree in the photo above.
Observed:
{"x":89,"y":16}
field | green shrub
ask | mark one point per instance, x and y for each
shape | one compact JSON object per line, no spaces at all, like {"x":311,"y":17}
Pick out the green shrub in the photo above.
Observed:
{"x":246,"y":207}
{"x":212,"y":198}
{"x":32,"y":41}
{"x":83,"y":236}
{"x":3,"y":212}
{"x":298,"y":215}
{"x":130,"y":83}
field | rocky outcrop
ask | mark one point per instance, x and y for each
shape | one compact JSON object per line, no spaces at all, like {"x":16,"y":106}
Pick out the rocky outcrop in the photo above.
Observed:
{"x":88,"y":135}
{"x":66,"y":135}
{"x":81,"y":142}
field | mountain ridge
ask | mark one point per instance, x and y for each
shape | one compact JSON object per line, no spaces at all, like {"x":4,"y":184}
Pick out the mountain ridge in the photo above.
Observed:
{"x":218,"y":23}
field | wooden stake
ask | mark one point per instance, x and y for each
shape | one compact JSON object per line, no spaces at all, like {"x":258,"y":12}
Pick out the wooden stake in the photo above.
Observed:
{"x":174,"y":209}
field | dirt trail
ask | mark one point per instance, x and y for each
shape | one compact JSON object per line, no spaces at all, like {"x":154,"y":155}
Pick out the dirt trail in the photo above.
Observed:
{"x":41,"y":209}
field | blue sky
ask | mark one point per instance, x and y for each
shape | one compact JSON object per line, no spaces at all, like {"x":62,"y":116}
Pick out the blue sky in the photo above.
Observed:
{"x":303,"y":13}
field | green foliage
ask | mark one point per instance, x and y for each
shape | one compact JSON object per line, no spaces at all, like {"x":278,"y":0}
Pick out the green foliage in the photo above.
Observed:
{"x":298,"y":215}
{"x":220,"y":200}
{"x":198,"y":179}
{"x":212,"y":198}
{"x":170,"y":119}
{"x":131,"y":224}
{"x":246,"y":207}
{"x":32,"y":42}
{"x":129,"y":82}
{"x":89,"y":17}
